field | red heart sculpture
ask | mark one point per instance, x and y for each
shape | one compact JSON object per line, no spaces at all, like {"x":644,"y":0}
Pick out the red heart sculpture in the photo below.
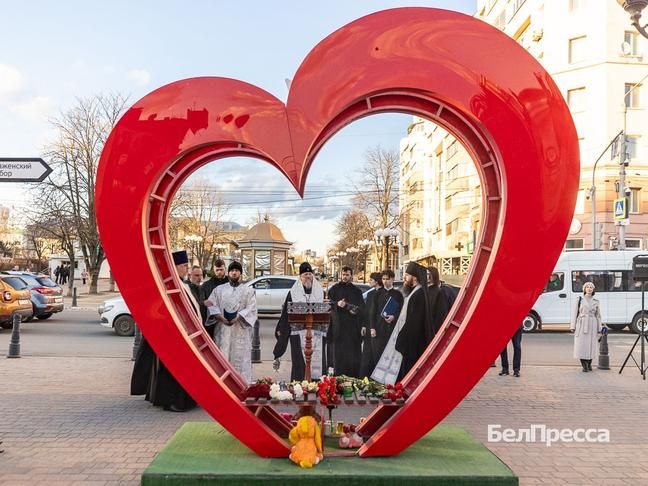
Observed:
{"x":450,"y":68}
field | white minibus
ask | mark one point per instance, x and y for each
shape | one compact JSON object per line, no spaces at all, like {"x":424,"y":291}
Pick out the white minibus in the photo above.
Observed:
{"x":617,"y":291}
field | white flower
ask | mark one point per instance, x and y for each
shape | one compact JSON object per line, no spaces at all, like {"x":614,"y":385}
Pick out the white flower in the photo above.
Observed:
{"x":299,"y":392}
{"x":275,"y":389}
{"x":284,"y":395}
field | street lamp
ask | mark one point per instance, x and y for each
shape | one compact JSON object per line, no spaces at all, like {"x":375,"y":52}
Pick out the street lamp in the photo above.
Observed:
{"x":384,"y":238}
{"x":364,"y":248}
{"x":192,"y":242}
{"x":634,"y":8}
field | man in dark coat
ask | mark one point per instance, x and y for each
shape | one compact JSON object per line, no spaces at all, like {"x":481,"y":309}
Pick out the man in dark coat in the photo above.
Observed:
{"x":150,"y":377}
{"x":385,"y":323}
{"x":344,"y":332}
{"x":441,"y":297}
{"x":414,"y":336}
{"x":306,"y":289}
{"x":206,"y":289}
{"x":368,"y":330}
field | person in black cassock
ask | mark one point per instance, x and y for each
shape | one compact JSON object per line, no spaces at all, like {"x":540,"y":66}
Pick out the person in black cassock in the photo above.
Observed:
{"x":344,"y":350}
{"x":206,"y":289}
{"x":409,"y":338}
{"x":368,"y":330}
{"x":441,"y":297}
{"x":305,"y":289}
{"x":150,"y":377}
{"x":384,"y":325}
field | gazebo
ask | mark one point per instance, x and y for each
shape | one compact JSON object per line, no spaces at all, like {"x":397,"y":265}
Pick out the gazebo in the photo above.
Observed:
{"x":264,"y":251}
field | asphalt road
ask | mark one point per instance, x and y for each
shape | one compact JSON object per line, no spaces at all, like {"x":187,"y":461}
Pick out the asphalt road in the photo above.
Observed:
{"x":77,"y":333}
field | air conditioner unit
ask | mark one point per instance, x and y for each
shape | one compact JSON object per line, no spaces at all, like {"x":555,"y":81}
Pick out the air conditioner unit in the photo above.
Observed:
{"x":626,"y":49}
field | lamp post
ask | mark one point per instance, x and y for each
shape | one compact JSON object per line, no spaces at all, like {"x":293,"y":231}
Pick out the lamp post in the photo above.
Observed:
{"x":384,"y":238}
{"x":192,"y":242}
{"x":364,"y":248}
{"x":592,"y":191}
{"x":353,"y":252}
{"x":634,"y":8}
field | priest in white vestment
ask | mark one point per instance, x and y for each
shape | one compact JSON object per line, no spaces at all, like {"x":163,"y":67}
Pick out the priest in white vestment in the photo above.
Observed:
{"x":235,"y":310}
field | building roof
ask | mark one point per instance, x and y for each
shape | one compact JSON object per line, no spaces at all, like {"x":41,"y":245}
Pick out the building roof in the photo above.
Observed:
{"x":264,"y":231}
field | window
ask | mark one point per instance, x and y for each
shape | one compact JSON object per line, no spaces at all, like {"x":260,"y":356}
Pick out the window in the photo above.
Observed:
{"x":453,"y":173}
{"x":634,"y":200}
{"x":634,"y":244}
{"x":577,"y":49}
{"x":575,"y":244}
{"x":605,"y":280}
{"x":631,"y":96}
{"x":580,"y":202}
{"x":632,"y":146}
{"x":452,"y":227}
{"x":16,"y":282}
{"x":556,"y":282}
{"x":631,"y":43}
{"x":448,"y":203}
{"x":576,"y":100}
{"x":281,"y":283}
{"x":577,"y":4}
{"x":262,"y":284}
{"x":452,"y":149}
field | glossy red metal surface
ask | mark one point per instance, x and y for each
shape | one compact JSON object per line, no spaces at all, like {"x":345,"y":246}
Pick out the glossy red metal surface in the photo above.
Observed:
{"x":448,"y":67}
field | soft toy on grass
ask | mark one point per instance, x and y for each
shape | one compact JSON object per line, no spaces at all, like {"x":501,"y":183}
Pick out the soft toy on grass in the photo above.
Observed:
{"x":307,"y":440}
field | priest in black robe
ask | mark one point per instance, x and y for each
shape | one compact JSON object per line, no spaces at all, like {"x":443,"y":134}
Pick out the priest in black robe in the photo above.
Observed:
{"x":345,"y":343}
{"x":306,"y":289}
{"x":384,"y":324}
{"x":441,"y":297}
{"x":415,"y":334}
{"x":368,"y":330}
{"x":150,"y":377}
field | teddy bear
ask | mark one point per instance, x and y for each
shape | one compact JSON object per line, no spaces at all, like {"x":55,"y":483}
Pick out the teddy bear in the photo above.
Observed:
{"x":306,"y":438}
{"x":350,"y":439}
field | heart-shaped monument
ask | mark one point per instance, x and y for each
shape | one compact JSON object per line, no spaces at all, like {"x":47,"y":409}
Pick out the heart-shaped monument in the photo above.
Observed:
{"x":450,"y":68}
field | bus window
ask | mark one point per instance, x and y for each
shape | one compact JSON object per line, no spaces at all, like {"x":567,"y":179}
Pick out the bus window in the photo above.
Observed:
{"x":598,"y":278}
{"x":556,"y":282}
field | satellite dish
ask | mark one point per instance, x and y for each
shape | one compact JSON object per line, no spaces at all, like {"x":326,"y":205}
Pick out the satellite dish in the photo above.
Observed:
{"x":626,"y":48}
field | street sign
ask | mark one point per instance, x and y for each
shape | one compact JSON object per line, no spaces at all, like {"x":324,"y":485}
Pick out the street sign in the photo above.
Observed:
{"x":621,"y":208}
{"x":622,"y":222}
{"x":23,"y":170}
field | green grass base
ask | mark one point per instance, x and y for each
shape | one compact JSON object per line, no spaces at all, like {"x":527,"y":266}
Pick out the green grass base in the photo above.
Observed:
{"x":204,"y":453}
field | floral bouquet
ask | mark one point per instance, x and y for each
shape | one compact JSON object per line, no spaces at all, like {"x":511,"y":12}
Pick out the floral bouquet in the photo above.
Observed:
{"x":394,"y":392}
{"x":327,"y":391}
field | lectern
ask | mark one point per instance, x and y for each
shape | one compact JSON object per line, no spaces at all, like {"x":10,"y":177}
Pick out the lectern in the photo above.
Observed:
{"x":309,"y":316}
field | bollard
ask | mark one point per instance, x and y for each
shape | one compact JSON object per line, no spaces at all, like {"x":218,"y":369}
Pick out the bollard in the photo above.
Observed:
{"x":136,"y":342}
{"x":256,"y":344}
{"x":14,"y":344}
{"x":74,"y":297}
{"x":604,"y":358}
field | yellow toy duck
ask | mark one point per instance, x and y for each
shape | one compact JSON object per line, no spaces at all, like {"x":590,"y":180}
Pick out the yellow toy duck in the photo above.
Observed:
{"x":306,"y":438}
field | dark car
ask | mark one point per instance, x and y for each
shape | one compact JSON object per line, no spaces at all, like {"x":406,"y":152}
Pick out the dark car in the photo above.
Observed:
{"x":46,"y":295}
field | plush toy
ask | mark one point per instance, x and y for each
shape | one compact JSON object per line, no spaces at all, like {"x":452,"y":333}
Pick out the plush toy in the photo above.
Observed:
{"x":306,"y":438}
{"x":350,"y":439}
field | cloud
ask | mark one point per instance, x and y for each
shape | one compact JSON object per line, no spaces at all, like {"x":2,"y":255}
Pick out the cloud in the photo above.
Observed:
{"x":10,"y":80}
{"x":37,"y":108}
{"x":140,"y":76}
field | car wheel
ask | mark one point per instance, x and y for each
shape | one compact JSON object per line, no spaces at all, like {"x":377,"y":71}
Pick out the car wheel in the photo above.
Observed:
{"x":6,"y":325}
{"x":27,"y":319}
{"x":530,"y":323}
{"x":42,"y":317}
{"x":638,"y":323}
{"x":124,"y":326}
{"x":616,"y":327}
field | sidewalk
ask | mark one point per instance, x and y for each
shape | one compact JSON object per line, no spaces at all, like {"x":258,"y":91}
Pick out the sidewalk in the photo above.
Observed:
{"x":71,"y":421}
{"x":86,"y":301}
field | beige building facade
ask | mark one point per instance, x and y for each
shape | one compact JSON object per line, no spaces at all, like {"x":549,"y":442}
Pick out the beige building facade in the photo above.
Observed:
{"x":600,"y":64}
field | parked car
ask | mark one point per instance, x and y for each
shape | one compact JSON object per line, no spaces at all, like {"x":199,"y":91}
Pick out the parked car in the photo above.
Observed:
{"x":115,"y":314}
{"x":271,"y":291}
{"x":46,"y":295}
{"x":15,"y":300}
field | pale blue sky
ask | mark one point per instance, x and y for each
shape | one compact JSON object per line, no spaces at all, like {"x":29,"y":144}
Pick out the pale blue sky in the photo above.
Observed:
{"x":52,"y":52}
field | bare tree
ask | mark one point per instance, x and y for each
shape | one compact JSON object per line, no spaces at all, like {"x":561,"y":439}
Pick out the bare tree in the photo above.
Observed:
{"x":377,"y":192}
{"x":81,"y":134}
{"x":351,"y":227}
{"x":54,"y":220}
{"x":198,"y":214}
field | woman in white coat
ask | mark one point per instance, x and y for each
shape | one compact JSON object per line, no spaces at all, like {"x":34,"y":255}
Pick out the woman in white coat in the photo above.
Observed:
{"x":586,"y":327}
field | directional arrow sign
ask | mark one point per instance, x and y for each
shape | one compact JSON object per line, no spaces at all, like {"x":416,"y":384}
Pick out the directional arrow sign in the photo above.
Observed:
{"x":23,"y":170}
